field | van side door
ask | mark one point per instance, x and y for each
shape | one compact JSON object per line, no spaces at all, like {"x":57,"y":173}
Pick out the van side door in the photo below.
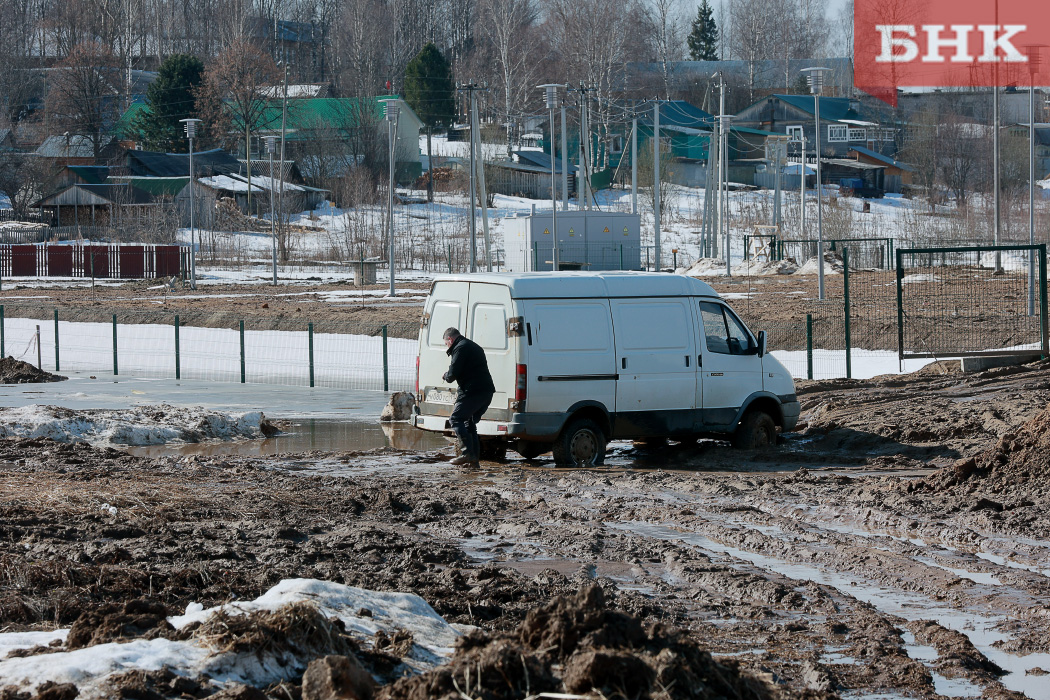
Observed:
{"x":655,"y":356}
{"x":731,"y":370}
{"x":570,"y":354}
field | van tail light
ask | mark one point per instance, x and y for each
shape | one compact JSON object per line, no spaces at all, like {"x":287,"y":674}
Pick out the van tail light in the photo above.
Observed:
{"x":417,"y":374}
{"x":521,"y":380}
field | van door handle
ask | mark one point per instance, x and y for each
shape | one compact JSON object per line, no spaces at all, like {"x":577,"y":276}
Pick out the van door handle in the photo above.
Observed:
{"x":686,"y":360}
{"x":623,"y":363}
{"x":699,"y":360}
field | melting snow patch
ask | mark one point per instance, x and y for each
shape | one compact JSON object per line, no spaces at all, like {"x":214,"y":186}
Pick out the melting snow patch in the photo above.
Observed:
{"x":140,"y":425}
{"x":89,"y":667}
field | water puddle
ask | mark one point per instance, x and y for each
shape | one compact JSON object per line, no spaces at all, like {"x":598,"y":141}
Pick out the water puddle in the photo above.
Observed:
{"x":981,"y":630}
{"x":307,"y":434}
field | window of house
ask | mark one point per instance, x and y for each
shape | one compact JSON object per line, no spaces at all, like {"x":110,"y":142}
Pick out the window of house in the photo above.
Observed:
{"x":888,"y":134}
{"x":795,"y":132}
{"x":857,"y":135}
{"x":836,"y":132}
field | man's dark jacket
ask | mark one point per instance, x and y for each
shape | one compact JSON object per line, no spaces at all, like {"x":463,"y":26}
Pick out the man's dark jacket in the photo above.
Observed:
{"x":469,"y":368}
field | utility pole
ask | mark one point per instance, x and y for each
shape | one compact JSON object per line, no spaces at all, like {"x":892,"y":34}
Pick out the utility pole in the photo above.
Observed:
{"x":634,"y":165}
{"x":997,"y":212}
{"x":191,"y":130}
{"x":479,"y":163}
{"x":469,"y":88}
{"x":273,"y":195}
{"x":564,"y":161}
{"x":722,"y":230}
{"x":802,"y":186}
{"x":656,"y":183}
{"x":585,"y":139}
{"x":816,"y":86}
{"x":284,"y":123}
{"x":393,"y":111}
{"x":552,"y":100}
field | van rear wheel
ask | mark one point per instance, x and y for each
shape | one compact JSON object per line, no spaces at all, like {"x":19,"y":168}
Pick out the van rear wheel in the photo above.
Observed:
{"x":581,"y":443}
{"x":756,"y":431}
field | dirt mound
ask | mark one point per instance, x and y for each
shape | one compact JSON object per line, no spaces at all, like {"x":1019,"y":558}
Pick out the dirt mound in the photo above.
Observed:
{"x":297,"y":628}
{"x":110,"y":623}
{"x":1018,"y":457}
{"x":575,"y":644}
{"x":14,"y":371}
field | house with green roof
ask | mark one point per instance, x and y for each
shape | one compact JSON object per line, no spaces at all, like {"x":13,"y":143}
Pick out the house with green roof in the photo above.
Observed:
{"x":323,"y":127}
{"x":844,"y":123}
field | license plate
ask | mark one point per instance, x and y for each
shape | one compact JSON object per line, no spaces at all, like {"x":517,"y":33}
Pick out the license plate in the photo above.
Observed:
{"x":438,"y":396}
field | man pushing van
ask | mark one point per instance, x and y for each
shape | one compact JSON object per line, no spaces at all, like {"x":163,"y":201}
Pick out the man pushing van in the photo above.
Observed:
{"x":470,"y":370}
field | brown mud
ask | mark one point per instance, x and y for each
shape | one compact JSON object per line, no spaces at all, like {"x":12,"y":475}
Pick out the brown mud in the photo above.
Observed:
{"x":880,"y":550}
{"x":14,"y":371}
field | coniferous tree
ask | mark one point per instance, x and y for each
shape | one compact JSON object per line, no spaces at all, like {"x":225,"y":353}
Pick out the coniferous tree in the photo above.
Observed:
{"x":171,"y":97}
{"x":429,"y":91}
{"x":703,"y":39}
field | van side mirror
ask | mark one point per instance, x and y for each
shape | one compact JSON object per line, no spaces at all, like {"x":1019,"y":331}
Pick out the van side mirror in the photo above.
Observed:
{"x":761,"y":343}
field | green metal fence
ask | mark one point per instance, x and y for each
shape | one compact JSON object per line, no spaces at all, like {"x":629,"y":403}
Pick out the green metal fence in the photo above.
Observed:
{"x":972,"y":301}
{"x":197,"y":345}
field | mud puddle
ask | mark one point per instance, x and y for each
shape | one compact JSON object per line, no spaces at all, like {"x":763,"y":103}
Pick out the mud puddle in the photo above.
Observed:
{"x":308,"y":435}
{"x":981,"y":630}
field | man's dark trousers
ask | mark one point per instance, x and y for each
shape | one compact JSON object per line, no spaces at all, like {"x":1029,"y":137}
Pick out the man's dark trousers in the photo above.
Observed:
{"x":464,"y":421}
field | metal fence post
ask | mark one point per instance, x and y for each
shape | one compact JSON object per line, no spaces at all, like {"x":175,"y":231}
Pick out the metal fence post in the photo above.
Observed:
{"x":310,"y":333}
{"x":386,"y":363}
{"x":178,"y":363}
{"x":2,"y":353}
{"x":450,"y":258}
{"x":1043,"y":312}
{"x":900,"y":306}
{"x":115,"y":345}
{"x":809,"y":346}
{"x":845,"y":294}
{"x":242,"y":352}
{"x":57,"y":367}
{"x":621,"y":256}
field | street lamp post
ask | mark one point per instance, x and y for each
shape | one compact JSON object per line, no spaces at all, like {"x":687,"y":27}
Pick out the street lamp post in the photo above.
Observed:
{"x":271,"y":146}
{"x":392,"y":114}
{"x":815,"y":76}
{"x":552,"y":99}
{"x":191,"y":131}
{"x":1035,"y":58}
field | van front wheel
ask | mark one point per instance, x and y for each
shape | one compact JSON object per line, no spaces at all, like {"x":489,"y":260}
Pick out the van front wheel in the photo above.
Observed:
{"x":581,"y":443}
{"x":756,"y":431}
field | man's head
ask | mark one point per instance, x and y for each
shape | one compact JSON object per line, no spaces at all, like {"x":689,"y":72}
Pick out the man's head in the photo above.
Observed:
{"x":450,"y":336}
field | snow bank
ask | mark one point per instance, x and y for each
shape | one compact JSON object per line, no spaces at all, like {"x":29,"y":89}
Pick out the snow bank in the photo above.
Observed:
{"x":89,"y":667}
{"x":1010,"y":262}
{"x":756,"y":268}
{"x":141,"y":425}
{"x":832,"y":265}
{"x":706,"y":267}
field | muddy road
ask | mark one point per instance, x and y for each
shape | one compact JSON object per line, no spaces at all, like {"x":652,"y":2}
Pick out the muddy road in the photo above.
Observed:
{"x":897,"y":545}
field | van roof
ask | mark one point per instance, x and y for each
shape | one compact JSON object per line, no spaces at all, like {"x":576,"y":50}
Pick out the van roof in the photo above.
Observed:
{"x":582,"y":285}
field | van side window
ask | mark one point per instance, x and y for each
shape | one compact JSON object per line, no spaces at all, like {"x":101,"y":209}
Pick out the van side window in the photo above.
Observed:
{"x":723,"y":332}
{"x":445,"y":315}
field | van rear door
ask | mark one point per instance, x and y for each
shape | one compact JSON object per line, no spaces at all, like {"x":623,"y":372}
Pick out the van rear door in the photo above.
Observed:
{"x":490,"y":309}
{"x":655,"y":356}
{"x":447,"y":308}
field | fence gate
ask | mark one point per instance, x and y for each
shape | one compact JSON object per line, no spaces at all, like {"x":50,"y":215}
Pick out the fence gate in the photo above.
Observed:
{"x":969,"y":301}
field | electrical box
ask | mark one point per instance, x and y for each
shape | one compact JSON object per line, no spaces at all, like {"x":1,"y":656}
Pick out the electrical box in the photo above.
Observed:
{"x":587,"y":240}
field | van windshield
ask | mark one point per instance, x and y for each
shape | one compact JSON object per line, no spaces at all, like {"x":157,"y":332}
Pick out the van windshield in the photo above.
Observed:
{"x":723,"y":331}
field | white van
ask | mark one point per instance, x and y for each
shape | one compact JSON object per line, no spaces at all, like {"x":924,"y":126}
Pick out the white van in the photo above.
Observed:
{"x":581,"y":358}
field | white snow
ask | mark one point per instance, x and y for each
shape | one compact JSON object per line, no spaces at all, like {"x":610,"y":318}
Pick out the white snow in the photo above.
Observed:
{"x":134,"y":426}
{"x":89,"y":667}
{"x":1010,"y":262}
